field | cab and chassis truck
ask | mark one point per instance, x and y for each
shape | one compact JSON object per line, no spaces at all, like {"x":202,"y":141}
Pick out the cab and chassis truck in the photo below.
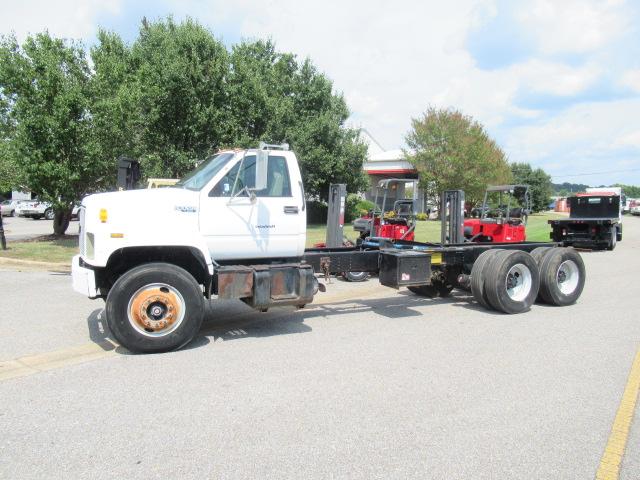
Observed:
{"x":595,"y":221}
{"x":235,"y":228}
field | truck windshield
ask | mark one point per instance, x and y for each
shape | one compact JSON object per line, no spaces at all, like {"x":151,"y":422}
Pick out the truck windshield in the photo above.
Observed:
{"x":205,"y":172}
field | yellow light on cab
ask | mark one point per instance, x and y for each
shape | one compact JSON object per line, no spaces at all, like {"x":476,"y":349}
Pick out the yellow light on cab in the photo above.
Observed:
{"x":103,"y":215}
{"x":117,"y":235}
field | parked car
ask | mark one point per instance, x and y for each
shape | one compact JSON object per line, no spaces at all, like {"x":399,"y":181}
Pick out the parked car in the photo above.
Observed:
{"x":634,"y":207}
{"x":35,"y":209}
{"x":8,"y":208}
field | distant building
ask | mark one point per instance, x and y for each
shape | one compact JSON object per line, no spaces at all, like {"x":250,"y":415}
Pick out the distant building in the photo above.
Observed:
{"x":382,"y":164}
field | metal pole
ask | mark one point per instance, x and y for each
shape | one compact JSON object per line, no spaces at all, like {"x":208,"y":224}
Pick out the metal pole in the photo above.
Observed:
{"x":3,"y":240}
{"x":335,"y":214}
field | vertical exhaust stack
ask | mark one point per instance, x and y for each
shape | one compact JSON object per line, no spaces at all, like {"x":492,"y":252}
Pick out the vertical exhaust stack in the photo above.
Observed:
{"x":128,"y":173}
{"x":452,"y":216}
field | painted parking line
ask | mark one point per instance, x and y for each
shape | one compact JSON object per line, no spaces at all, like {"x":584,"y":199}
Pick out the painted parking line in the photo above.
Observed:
{"x":41,"y":362}
{"x":611,"y":460}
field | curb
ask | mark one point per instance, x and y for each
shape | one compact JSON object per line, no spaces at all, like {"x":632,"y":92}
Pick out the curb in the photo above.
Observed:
{"x":34,"y":265}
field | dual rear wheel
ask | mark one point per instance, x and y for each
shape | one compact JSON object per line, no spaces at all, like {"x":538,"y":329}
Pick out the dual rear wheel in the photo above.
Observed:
{"x":510,"y":281}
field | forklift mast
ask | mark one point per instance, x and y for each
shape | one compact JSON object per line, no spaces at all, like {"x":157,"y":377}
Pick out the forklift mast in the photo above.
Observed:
{"x":335,"y":214}
{"x":452,"y":216}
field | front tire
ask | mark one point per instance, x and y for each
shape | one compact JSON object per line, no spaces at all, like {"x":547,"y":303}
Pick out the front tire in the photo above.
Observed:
{"x":156,"y":307}
{"x":49,"y":214}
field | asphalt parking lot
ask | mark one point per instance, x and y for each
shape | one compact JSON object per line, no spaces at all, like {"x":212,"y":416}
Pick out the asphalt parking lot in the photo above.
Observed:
{"x":18,"y":228}
{"x":366,"y":383}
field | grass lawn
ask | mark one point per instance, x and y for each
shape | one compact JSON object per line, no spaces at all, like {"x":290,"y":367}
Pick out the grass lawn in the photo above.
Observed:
{"x":429,"y":231}
{"x":60,"y":250}
{"x":43,"y":249}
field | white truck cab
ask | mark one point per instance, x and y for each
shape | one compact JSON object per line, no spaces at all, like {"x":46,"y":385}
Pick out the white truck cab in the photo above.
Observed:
{"x":238,"y":207}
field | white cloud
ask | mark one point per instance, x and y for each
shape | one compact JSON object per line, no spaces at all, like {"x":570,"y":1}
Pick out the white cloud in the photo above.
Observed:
{"x":62,"y":18}
{"x":631,"y":79}
{"x":573,"y":26}
{"x":392,"y":60}
{"x":589,"y":137}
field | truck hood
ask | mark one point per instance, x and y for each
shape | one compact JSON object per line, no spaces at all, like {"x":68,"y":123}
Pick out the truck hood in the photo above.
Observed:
{"x":151,"y":211}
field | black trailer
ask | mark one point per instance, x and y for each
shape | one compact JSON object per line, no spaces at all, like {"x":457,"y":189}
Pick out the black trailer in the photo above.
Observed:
{"x":595,"y":222}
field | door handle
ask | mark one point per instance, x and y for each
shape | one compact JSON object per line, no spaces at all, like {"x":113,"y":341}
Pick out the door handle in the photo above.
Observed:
{"x":291,"y":209}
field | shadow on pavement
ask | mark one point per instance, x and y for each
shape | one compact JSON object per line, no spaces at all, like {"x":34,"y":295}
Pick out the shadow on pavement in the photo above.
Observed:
{"x":229,"y":320}
{"x":233,"y":320}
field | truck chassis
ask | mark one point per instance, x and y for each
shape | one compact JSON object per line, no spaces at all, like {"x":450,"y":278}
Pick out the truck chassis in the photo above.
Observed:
{"x":159,"y":306}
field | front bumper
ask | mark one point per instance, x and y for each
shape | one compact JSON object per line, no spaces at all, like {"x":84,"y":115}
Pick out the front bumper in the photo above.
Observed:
{"x":83,"y":279}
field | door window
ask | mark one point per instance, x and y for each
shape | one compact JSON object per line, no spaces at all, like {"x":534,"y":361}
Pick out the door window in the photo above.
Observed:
{"x":243,"y":176}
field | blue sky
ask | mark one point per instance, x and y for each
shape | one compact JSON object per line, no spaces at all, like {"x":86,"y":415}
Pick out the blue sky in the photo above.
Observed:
{"x":557,"y":83}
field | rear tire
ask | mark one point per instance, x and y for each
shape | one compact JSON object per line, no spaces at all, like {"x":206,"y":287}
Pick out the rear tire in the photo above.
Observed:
{"x":156,"y":307}
{"x":562,"y":277}
{"x":478,"y":275}
{"x":512,"y":281}
{"x":614,"y":238}
{"x":355,"y":276}
{"x":539,"y":253}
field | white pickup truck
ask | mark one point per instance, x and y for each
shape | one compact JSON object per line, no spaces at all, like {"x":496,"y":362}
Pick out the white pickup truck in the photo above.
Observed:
{"x":235,"y":228}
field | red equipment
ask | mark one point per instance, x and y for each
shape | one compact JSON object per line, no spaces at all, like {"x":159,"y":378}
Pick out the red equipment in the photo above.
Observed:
{"x":398,"y":226}
{"x":500,"y":223}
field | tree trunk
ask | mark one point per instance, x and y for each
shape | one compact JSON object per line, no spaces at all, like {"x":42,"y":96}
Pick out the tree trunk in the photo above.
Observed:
{"x":61,"y":221}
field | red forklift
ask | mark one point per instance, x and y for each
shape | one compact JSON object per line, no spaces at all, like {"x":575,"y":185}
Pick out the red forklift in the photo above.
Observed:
{"x":399,"y":223}
{"x":502,"y":217}
{"x":396,"y":224}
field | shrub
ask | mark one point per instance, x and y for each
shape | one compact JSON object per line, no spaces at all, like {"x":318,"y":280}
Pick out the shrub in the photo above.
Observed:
{"x":317,"y":212}
{"x":355,"y":207}
{"x":422,"y":217}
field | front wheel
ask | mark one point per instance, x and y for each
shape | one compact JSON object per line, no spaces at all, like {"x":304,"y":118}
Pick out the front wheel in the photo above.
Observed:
{"x":156,"y":307}
{"x":49,"y":214}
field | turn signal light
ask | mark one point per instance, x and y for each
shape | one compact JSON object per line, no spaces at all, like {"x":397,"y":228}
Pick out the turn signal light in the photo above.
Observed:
{"x":103,"y":215}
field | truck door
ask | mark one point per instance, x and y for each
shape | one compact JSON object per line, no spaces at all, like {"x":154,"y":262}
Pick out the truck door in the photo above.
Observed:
{"x":271,"y":223}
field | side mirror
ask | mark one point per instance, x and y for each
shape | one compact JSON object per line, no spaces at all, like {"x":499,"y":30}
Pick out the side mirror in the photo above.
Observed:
{"x":262,"y":162}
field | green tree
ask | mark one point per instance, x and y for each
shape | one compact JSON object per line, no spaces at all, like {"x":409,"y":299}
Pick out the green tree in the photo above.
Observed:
{"x":9,"y":175}
{"x":630,"y":191}
{"x":274,"y":98}
{"x":179,"y":97}
{"x":450,"y":150}
{"x":46,"y":84}
{"x":539,"y":182}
